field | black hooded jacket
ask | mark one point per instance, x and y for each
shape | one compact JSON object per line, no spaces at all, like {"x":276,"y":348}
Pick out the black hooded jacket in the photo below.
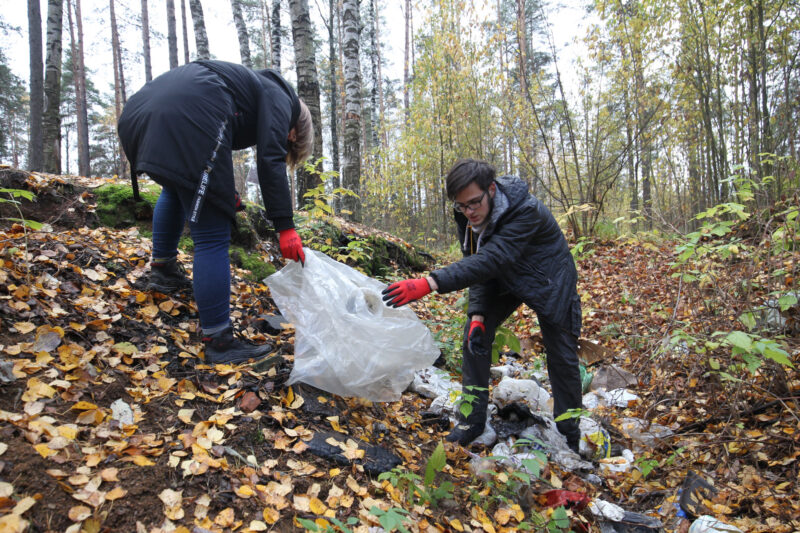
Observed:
{"x":522,"y":252}
{"x":190,"y":119}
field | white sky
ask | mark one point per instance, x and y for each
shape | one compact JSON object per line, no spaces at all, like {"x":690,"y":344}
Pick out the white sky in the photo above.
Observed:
{"x":568,"y":24}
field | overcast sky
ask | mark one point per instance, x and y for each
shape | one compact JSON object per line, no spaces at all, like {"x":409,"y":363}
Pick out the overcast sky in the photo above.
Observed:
{"x":567,"y":23}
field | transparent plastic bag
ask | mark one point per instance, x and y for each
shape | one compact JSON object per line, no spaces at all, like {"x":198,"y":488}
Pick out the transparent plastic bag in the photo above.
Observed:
{"x":347,"y":341}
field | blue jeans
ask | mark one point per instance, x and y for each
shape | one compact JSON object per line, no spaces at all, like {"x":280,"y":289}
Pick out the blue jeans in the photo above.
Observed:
{"x":212,"y":237}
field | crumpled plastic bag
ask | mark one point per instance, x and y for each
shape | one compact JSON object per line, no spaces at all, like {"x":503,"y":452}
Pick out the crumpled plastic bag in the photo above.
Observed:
{"x":347,"y":341}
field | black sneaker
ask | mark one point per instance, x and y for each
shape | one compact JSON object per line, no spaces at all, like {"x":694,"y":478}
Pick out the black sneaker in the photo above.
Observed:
{"x":222,"y":348}
{"x":464,"y":433}
{"x":168,"y":277}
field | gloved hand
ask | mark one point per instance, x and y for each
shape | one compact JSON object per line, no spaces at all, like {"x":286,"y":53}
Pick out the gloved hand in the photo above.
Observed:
{"x":476,"y":337}
{"x":291,"y":245}
{"x":238,"y":204}
{"x":405,"y":291}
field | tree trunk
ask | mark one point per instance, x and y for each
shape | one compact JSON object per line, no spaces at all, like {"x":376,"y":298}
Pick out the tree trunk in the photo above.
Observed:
{"x":334,"y":91}
{"x":307,"y":88}
{"x":51,"y":119}
{"x":381,"y":102}
{"x":185,"y":27}
{"x":172,"y":35}
{"x":79,"y":75}
{"x":351,"y":169}
{"x":148,"y":68}
{"x":119,"y":83}
{"x":275,"y":36}
{"x":241,"y":31}
{"x":406,"y":59}
{"x":266,"y":32}
{"x":200,"y":38}
{"x":35,"y":140}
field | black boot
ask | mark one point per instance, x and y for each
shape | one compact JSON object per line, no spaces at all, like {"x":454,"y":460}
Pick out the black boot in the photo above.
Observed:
{"x":464,"y":433}
{"x":222,"y":347}
{"x":469,"y":428}
{"x":168,"y":277}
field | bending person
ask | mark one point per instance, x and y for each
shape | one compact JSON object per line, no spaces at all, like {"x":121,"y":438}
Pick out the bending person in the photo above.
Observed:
{"x":181,"y":129}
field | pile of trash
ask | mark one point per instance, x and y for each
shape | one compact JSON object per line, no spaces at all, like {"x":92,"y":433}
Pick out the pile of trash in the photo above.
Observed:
{"x":521,"y":433}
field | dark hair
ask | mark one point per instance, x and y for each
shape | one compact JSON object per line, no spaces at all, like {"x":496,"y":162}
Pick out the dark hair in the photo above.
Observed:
{"x":464,"y":172}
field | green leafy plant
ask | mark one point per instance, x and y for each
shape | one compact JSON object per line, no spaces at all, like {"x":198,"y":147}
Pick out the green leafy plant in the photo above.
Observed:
{"x":13,"y":198}
{"x":465,"y":398}
{"x":320,"y":199}
{"x":391,"y":519}
{"x":419,"y":490}
{"x":338,"y":525}
{"x":504,"y":337}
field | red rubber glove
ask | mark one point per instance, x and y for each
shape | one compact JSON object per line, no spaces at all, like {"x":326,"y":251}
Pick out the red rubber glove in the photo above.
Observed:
{"x":291,"y":245}
{"x":476,"y":337}
{"x":402,"y":292}
{"x":238,"y":205}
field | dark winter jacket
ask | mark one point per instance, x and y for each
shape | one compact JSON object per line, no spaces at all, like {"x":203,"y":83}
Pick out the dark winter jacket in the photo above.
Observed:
{"x":182,"y":126}
{"x":522,"y":252}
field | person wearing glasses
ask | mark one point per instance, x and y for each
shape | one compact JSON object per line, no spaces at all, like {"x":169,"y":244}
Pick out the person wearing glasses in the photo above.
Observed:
{"x":514,"y":253}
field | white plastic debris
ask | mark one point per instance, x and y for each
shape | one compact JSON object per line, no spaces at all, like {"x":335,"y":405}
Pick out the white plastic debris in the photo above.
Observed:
{"x":619,"y":463}
{"x":606,"y":510}
{"x":121,"y":412}
{"x":643,"y":434}
{"x":511,"y":390}
{"x":709,"y":524}
{"x":432,"y":382}
{"x":621,"y":397}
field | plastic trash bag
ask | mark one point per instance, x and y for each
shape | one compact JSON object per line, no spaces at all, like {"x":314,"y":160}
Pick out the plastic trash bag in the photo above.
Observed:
{"x":347,"y":341}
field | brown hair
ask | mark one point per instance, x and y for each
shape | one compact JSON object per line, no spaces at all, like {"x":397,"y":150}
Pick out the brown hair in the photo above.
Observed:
{"x":464,"y":172}
{"x":300,"y":149}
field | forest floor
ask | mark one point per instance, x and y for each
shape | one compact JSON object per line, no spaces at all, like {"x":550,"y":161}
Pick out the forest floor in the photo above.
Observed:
{"x":226,"y":448}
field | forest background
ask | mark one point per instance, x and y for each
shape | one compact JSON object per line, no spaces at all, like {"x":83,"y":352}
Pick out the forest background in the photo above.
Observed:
{"x":669,"y":108}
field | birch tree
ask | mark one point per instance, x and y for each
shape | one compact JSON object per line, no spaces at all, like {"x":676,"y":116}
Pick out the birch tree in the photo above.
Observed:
{"x":35,"y":148}
{"x":148,"y":68}
{"x":351,"y":167}
{"x":307,"y":86}
{"x":241,"y":32}
{"x":200,"y":37}
{"x":51,"y":119}
{"x":275,"y":35}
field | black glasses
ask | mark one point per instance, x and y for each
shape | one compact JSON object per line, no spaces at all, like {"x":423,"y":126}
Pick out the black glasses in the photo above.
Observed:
{"x":472,"y":205}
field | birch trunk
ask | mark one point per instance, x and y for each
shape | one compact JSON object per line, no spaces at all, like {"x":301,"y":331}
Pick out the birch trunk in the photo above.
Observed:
{"x":241,"y":31}
{"x":51,"y":119}
{"x":275,"y":35}
{"x":200,"y":37}
{"x":307,"y":88}
{"x":351,"y":168}
{"x":148,"y":68}
{"x":172,"y":35}
{"x":35,"y":159}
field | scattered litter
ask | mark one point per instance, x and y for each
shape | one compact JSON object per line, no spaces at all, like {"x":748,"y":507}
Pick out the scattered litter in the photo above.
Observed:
{"x":521,"y":390}
{"x":121,"y":412}
{"x":709,"y":524}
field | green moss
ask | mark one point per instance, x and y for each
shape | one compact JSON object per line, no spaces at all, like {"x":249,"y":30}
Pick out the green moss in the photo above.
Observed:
{"x":259,"y":269}
{"x":116,"y":207}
